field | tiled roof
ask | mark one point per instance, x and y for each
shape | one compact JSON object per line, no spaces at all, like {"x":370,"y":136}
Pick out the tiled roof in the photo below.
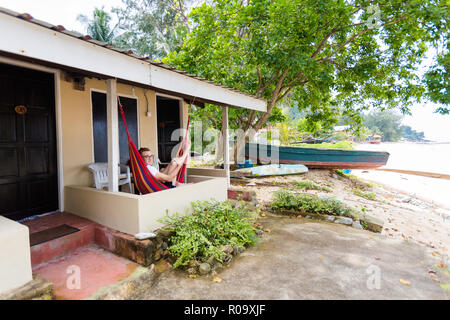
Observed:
{"x":60,"y":28}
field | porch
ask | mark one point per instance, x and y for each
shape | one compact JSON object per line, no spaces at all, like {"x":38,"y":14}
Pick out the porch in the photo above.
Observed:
{"x":63,"y":115}
{"x":130,"y":213}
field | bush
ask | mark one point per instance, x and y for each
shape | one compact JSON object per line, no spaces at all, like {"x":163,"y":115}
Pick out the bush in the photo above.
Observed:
{"x":326,"y":145}
{"x":212,"y":226}
{"x":308,"y":185}
{"x":303,"y":202}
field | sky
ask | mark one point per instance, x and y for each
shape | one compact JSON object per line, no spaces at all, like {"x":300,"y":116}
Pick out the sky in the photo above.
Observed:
{"x":436,"y":127}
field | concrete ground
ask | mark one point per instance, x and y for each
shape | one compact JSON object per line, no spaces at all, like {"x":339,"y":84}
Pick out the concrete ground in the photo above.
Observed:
{"x":304,"y":259}
{"x":85,"y":271}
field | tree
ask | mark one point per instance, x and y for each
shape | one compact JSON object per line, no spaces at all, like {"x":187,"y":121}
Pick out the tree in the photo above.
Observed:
{"x":98,"y":26}
{"x":329,"y":56}
{"x":385,"y":123}
{"x":154,"y":27}
{"x":437,"y":81}
{"x":409,"y":134}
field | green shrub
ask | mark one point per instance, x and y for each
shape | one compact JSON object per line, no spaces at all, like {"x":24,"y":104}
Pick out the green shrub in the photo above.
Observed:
{"x":210,"y":227}
{"x":327,"y":145}
{"x":305,"y":203}
{"x":367,"y":195}
{"x":308,"y":185}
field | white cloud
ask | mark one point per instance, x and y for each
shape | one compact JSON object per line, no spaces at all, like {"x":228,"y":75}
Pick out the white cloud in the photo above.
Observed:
{"x":59,"y":12}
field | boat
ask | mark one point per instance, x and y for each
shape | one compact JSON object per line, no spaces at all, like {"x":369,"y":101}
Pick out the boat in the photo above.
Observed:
{"x":270,"y":170}
{"x":375,"y":139}
{"x":316,"y":157}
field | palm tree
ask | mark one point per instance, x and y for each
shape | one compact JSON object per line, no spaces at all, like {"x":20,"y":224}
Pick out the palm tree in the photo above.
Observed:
{"x":98,"y":27}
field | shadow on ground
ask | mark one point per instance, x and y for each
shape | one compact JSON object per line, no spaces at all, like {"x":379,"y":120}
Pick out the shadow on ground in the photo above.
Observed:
{"x":300,"y":259}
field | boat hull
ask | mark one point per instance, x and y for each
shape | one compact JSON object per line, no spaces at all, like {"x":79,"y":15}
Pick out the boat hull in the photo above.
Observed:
{"x":316,"y":157}
{"x":270,"y":170}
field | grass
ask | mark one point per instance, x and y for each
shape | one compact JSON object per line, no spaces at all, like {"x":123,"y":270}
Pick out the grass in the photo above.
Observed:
{"x":308,"y":185}
{"x":326,"y":145}
{"x":366,"y":195}
{"x":308,"y":203}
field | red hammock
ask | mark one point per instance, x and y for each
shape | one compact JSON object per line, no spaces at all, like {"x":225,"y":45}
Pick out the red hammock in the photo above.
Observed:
{"x":144,"y":181}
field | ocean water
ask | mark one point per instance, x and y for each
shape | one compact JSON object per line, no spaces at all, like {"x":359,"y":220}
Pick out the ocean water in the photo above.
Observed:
{"x":431,"y":157}
{"x":417,"y":157}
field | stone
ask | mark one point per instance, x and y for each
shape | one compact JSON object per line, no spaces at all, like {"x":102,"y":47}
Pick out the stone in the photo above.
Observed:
{"x":165,"y":233}
{"x":164,"y":245}
{"x":331,"y":218}
{"x":228,"y":249}
{"x":39,"y":288}
{"x":260,"y":232}
{"x":191,"y":271}
{"x":193,"y":264}
{"x":157,"y":255}
{"x":204,"y":268}
{"x":211,"y":260}
{"x":357,"y":225}
{"x":372,"y":224}
{"x":344,"y":220}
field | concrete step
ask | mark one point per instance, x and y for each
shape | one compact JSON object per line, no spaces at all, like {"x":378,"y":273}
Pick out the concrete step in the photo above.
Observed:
{"x":58,"y":247}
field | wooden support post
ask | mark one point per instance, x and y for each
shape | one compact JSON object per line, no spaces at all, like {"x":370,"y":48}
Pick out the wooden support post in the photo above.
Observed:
{"x":113,"y":135}
{"x":226,"y":145}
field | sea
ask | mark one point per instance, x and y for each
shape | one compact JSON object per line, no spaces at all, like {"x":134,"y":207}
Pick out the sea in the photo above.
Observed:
{"x":428,"y":157}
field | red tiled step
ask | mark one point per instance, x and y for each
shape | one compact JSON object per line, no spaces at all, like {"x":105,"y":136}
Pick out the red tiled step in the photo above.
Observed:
{"x":58,"y":247}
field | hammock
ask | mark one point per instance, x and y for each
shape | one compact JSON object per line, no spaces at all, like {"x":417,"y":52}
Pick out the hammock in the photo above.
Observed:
{"x":146,"y":182}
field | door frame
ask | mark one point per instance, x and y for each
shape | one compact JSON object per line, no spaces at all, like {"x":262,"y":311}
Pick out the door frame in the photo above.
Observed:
{"x":181,"y":108}
{"x":92,"y":116}
{"x":59,"y":141}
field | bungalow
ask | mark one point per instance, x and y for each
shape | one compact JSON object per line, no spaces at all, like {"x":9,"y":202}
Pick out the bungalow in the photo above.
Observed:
{"x":59,"y":113}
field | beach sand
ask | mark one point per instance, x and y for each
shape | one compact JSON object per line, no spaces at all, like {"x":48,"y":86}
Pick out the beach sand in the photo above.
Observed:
{"x":405,"y":216}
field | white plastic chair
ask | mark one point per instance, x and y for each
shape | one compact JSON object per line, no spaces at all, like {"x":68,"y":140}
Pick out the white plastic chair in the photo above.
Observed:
{"x":100,"y":172}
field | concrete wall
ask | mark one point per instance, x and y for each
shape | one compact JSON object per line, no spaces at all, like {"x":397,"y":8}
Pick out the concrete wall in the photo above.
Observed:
{"x":132,"y":213}
{"x":15,"y":260}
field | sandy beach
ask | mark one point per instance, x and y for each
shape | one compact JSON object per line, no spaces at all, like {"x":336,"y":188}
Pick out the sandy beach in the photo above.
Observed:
{"x":405,"y":217}
{"x":434,"y":158}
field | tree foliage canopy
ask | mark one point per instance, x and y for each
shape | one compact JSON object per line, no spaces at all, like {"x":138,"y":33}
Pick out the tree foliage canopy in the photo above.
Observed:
{"x":329,"y":57}
{"x":98,"y":27}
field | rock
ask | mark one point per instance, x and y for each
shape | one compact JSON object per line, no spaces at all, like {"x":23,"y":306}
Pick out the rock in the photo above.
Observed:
{"x":331,"y":218}
{"x":165,"y":233}
{"x":204,"y":268}
{"x":344,"y":220}
{"x":357,"y":225}
{"x":191,"y":271}
{"x":308,"y":217}
{"x":260,"y":232}
{"x":211,"y":260}
{"x":372,"y":224}
{"x":227,"y":258}
{"x":157,"y":255}
{"x":235,"y":251}
{"x":228,"y":249}
{"x":193,"y":264}
{"x":164,"y":245}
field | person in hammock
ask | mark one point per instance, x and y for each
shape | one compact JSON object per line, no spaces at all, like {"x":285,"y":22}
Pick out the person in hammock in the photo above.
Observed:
{"x":168,"y":174}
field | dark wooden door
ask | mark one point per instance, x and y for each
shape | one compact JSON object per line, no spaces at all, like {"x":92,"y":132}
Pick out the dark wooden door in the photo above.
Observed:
{"x":101,"y":128}
{"x":168,"y":117}
{"x":28,"y":166}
